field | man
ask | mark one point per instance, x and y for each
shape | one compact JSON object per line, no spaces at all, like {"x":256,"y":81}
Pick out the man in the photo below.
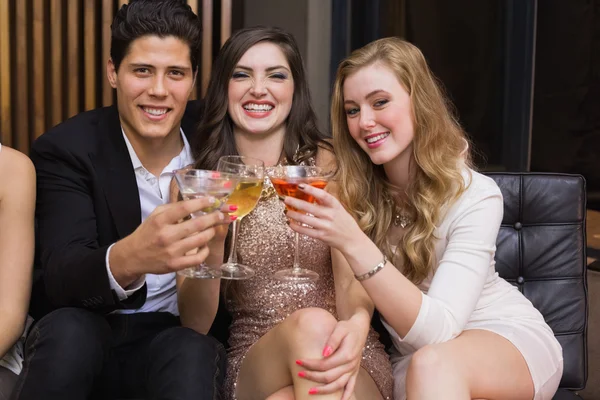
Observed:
{"x":109,"y":242}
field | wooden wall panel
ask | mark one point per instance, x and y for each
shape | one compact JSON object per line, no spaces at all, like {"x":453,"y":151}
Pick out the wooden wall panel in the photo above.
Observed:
{"x":5,"y":75}
{"x":194,"y":6}
{"x":22,"y":119}
{"x":90,"y":40}
{"x":53,"y":56}
{"x":225,"y":20}
{"x":107,"y":17}
{"x":73,"y":53}
{"x":57,"y":64}
{"x":39,"y":74}
{"x":207,"y":38}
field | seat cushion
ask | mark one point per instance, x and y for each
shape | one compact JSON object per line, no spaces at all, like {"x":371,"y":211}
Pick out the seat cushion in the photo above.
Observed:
{"x":564,"y":394}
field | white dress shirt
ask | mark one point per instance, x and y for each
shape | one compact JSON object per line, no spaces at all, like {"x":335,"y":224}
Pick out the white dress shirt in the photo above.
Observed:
{"x":162,"y":293}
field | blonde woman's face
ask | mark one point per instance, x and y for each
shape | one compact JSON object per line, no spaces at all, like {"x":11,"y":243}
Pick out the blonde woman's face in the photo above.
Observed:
{"x":378,"y":113}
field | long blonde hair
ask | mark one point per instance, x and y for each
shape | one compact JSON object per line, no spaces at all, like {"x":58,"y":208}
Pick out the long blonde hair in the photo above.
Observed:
{"x":439,"y":155}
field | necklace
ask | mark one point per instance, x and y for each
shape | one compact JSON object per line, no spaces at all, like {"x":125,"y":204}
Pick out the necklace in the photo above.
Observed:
{"x":402,"y":218}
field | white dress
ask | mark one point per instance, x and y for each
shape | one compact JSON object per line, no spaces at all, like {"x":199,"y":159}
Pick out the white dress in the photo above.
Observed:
{"x":13,"y":359}
{"x":465,"y":292}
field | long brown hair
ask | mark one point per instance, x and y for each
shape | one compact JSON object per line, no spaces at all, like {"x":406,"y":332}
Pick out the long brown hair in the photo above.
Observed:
{"x":439,"y":156}
{"x":215,"y":133}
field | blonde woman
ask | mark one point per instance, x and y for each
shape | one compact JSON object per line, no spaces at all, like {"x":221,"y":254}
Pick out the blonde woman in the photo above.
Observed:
{"x":17,"y":204}
{"x":420,"y":235}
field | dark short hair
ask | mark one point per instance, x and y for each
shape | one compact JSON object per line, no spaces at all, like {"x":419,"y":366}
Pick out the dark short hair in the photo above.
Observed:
{"x":155,"y":17}
{"x":215,"y":134}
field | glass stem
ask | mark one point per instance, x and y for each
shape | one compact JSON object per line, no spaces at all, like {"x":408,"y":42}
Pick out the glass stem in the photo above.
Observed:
{"x":296,"y":266}
{"x":233,"y":246}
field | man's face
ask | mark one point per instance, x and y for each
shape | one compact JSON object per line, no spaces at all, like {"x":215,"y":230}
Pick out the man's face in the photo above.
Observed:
{"x":153,"y":82}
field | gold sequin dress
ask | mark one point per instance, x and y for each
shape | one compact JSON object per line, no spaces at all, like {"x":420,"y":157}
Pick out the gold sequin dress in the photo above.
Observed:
{"x":266,"y":244}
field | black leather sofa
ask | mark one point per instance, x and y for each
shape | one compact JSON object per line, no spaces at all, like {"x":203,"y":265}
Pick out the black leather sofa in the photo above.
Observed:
{"x":541,"y":250}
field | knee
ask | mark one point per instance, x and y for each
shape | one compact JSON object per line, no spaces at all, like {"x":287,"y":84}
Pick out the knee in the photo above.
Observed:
{"x":311,"y":324}
{"x":426,"y":365}
{"x":71,"y":331}
{"x":186,"y":346}
{"x":76,"y":337}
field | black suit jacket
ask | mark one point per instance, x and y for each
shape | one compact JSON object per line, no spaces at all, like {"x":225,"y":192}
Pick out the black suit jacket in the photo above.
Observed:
{"x":87,"y":199}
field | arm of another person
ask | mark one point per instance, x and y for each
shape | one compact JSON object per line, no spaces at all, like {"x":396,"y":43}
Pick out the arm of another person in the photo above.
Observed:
{"x":353,"y":304}
{"x":343,"y":349}
{"x":17,"y":204}
{"x":198,"y":299}
{"x":419,"y":319}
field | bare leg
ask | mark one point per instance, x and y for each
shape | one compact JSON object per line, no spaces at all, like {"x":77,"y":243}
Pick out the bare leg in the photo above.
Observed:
{"x":270,"y":364}
{"x":269,"y":369}
{"x":365,"y":388}
{"x":478,"y":364}
{"x":287,"y":393}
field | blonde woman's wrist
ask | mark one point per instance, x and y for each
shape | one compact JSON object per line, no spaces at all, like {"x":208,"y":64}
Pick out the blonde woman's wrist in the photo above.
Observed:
{"x":363,"y":258}
{"x":357,"y":241}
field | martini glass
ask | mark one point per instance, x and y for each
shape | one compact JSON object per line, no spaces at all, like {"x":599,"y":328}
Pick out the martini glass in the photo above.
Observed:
{"x":285,"y":179}
{"x":250,"y":173}
{"x":198,"y":183}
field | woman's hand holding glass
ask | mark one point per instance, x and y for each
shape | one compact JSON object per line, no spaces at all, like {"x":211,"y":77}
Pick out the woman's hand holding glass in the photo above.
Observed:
{"x":250,"y":173}
{"x":340,"y":364}
{"x":287,"y":180}
{"x":325,"y":219}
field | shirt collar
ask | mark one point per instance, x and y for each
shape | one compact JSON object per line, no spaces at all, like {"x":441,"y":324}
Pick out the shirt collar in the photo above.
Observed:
{"x":185,"y":156}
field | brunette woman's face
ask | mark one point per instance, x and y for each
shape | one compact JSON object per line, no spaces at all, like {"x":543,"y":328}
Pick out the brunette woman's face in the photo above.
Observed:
{"x":379,"y":113}
{"x":261,"y":90}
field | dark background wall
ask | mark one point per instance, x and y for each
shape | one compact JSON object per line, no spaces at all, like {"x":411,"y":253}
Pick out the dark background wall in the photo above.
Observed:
{"x":566,"y":113}
{"x":524,"y":75}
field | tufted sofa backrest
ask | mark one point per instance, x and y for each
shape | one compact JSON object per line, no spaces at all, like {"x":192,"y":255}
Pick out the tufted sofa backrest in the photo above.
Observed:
{"x":541,"y":250}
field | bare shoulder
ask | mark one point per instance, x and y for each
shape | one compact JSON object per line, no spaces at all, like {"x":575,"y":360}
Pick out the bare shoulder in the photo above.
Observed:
{"x":15,"y":165}
{"x":17,"y":175}
{"x":325,"y":157}
{"x":14,"y":159}
{"x":326,"y":160}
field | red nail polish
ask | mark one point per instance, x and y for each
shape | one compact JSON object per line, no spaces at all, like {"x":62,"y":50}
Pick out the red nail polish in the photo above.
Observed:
{"x":327,"y":351}
{"x":233,"y":217}
{"x":312,"y":391}
{"x":233,"y":207}
{"x":301,"y":374}
{"x":298,"y":362}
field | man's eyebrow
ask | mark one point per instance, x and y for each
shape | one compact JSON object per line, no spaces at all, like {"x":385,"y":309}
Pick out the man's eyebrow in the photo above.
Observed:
{"x":142,"y":65}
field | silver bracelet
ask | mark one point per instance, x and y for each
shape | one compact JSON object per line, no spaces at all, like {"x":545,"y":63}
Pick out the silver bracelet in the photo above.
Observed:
{"x":372,"y":272}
